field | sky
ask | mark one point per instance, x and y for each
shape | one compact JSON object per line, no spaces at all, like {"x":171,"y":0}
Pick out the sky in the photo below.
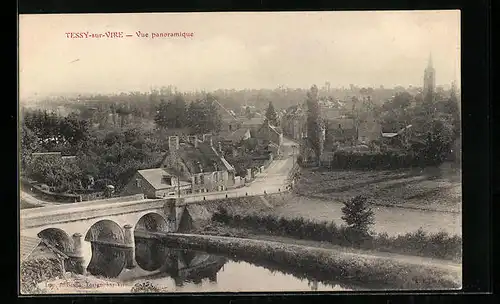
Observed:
{"x":236,"y":50}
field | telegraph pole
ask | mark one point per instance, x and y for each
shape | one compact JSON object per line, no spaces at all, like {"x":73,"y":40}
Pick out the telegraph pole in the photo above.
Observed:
{"x":178,"y":183}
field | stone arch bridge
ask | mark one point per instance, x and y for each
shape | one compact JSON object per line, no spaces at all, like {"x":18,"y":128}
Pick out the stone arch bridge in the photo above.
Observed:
{"x":102,"y":222}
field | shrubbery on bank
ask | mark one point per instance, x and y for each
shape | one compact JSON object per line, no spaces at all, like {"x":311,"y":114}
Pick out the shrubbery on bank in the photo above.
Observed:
{"x":36,"y":271}
{"x":438,"y":245}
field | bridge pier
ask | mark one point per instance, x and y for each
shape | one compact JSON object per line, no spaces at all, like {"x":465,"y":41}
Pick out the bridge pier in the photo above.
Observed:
{"x":76,"y":258}
{"x":129,"y":242}
{"x":170,"y":210}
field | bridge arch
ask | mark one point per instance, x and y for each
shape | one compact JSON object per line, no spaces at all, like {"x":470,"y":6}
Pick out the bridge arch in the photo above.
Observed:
{"x":57,"y":238}
{"x":105,"y":231}
{"x":152,"y":222}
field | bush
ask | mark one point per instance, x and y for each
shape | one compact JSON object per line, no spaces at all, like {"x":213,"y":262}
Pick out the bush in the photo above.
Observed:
{"x":221,"y":215}
{"x":146,"y":287}
{"x":35,"y":271}
{"x":440,"y":245}
{"x":358,"y":215}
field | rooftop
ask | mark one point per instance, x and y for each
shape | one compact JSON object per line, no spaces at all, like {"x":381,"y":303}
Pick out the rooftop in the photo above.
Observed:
{"x":254,"y":121}
{"x":202,"y":158}
{"x":27,"y":245}
{"x":235,"y":136}
{"x":155,"y":178}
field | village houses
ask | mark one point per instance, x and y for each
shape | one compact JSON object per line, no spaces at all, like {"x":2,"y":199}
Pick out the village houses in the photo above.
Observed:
{"x":191,"y":166}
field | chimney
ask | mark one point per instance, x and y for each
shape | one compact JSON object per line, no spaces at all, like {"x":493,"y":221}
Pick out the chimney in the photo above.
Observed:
{"x":220,"y":147}
{"x":173,"y":143}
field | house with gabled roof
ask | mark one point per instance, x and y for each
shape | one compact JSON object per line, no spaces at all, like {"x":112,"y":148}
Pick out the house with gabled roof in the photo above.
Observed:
{"x":156,"y":183}
{"x":230,"y":121}
{"x":253,"y":123}
{"x":199,"y":162}
{"x":270,"y":133}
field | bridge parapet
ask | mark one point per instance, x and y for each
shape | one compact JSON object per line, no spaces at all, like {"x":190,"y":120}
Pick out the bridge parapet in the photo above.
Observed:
{"x":115,"y":200}
{"x":64,"y":214}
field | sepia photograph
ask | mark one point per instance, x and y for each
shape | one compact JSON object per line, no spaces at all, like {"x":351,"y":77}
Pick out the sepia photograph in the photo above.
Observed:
{"x":222,"y":152}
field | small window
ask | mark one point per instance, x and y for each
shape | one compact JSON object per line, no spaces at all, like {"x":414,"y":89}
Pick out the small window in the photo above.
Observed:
{"x":202,"y":179}
{"x":166,"y":180}
{"x":196,"y":179}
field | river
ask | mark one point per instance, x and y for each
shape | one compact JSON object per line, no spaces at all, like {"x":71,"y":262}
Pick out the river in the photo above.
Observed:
{"x":177,"y":270}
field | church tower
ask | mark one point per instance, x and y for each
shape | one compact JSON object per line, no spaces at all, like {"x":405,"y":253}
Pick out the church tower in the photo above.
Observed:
{"x":429,"y":78}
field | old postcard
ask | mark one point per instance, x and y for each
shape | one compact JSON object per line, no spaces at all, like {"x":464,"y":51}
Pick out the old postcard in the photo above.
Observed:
{"x":240,"y":152}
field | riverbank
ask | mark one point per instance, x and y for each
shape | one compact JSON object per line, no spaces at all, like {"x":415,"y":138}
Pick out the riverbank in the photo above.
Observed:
{"x":218,"y":229}
{"x":328,"y":264}
{"x":417,"y":243}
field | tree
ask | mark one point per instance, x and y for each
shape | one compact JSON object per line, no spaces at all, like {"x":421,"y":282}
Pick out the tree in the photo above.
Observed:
{"x":56,"y":173}
{"x":314,"y":122}
{"x":248,"y":113}
{"x":29,"y":143}
{"x":161,"y":116}
{"x":271,"y":115}
{"x":435,"y":127}
{"x":203,"y":116}
{"x":178,"y":106}
{"x":396,"y":113}
{"x":437,"y":142}
{"x":358,"y":215}
{"x":57,"y":133}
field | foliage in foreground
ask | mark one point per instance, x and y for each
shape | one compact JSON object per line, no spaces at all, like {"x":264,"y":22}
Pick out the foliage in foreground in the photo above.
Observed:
{"x":439,"y":245}
{"x":36,"y":271}
{"x":146,"y":287}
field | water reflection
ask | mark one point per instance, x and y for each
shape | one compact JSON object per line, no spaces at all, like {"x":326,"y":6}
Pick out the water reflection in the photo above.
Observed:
{"x":107,"y":261}
{"x":152,"y":259}
{"x":192,"y":271}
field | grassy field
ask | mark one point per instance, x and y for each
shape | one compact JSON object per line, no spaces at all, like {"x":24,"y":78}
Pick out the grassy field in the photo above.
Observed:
{"x":429,"y":189}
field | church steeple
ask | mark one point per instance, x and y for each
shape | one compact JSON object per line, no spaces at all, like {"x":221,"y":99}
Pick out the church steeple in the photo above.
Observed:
{"x":429,"y":63}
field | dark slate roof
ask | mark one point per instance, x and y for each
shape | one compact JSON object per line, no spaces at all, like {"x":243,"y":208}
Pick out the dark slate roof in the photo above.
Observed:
{"x":203,"y":155}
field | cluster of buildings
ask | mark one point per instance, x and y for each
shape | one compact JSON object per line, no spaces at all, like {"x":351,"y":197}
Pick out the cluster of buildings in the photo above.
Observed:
{"x":350,"y":122}
{"x":197,"y":163}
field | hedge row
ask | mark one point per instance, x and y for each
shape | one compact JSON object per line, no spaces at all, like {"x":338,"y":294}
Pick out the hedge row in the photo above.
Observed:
{"x":439,"y":245}
{"x":373,"y":160}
